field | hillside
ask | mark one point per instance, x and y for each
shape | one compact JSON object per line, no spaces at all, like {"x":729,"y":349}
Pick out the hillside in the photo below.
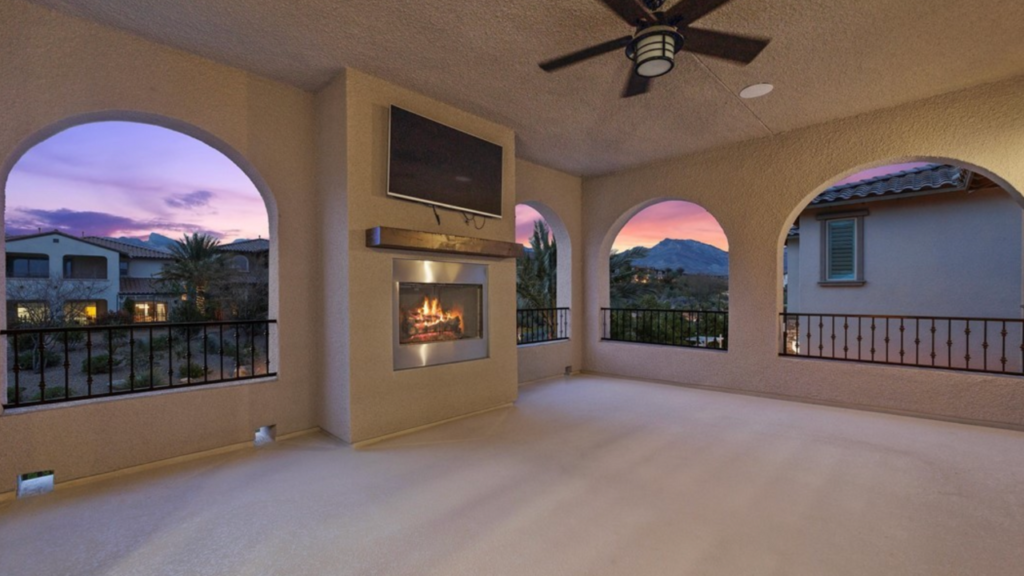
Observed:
{"x":692,"y":256}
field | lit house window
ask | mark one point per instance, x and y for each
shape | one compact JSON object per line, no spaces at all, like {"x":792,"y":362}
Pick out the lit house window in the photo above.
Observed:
{"x":31,"y":311}
{"x":28,"y":266}
{"x":150,"y":312}
{"x":84,"y":311}
{"x":842,"y":258}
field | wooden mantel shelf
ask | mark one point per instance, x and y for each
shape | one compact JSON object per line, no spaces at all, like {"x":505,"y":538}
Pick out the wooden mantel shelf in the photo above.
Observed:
{"x":399,"y":239}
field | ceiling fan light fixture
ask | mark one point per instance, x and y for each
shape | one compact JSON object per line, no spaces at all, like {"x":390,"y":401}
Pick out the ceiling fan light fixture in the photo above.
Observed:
{"x":654,"y":50}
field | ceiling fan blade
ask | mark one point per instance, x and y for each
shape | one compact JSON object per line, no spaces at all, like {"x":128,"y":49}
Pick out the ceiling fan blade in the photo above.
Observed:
{"x":630,"y":11}
{"x":581,"y":55}
{"x":686,"y":12}
{"x":732,"y":47}
{"x":636,"y":85}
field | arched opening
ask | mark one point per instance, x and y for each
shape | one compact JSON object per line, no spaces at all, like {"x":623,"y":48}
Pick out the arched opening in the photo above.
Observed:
{"x":543,"y":276}
{"x":135,"y":222}
{"x":913,"y":264}
{"x":668,"y":277}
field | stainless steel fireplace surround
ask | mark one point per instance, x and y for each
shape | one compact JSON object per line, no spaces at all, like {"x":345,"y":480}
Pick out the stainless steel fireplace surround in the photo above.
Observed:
{"x":439,"y":313}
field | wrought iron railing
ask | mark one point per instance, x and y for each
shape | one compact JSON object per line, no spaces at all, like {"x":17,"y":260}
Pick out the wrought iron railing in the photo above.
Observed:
{"x":689,"y":328}
{"x":537,"y":325}
{"x":993,"y":345}
{"x":50,"y":365}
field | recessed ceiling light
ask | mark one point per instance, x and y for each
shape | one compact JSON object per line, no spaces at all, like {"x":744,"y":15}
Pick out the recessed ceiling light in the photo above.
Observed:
{"x":756,"y":90}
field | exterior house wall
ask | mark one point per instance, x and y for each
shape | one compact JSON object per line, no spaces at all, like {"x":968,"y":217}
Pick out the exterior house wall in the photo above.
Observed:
{"x":377,"y":400}
{"x":66,"y":71}
{"x":64,"y":246}
{"x":558,"y":196}
{"x":138,"y":268}
{"x":793,"y":275}
{"x":946,"y":254}
{"x":756,"y":190}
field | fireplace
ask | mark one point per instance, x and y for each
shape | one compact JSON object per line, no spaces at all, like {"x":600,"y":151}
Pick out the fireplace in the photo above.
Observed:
{"x":440,"y":311}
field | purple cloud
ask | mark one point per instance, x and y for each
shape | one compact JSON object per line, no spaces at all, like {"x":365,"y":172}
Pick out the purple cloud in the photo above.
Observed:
{"x":197,"y":199}
{"x":31,"y":221}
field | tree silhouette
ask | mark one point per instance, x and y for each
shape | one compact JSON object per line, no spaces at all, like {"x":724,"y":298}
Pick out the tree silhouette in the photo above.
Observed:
{"x":196,"y":267}
{"x":537,"y":271}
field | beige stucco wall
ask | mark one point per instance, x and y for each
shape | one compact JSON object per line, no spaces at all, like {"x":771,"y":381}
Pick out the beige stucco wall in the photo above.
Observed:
{"x":756,"y":189}
{"x":56,"y":71}
{"x":379,"y":399}
{"x":558,"y":197}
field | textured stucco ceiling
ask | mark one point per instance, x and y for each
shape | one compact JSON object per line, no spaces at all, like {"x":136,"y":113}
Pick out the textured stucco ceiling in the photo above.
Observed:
{"x":828,"y":59}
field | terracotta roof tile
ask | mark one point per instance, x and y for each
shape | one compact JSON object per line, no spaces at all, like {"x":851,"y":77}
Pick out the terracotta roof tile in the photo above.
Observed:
{"x":248,"y":246}
{"x":933,"y":176}
{"x":142,"y":286}
{"x":126,"y":249}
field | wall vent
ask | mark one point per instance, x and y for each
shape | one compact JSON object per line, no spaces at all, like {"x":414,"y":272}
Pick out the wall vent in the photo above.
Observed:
{"x":35,"y":483}
{"x":265,"y":435}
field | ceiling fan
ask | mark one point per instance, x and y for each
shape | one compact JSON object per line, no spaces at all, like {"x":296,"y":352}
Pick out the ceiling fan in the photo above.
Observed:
{"x":659,"y":35}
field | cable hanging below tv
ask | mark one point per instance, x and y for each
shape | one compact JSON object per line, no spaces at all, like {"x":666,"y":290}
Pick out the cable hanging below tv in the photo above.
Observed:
{"x":435,"y":164}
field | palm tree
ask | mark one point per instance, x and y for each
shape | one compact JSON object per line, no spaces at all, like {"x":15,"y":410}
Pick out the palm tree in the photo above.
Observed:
{"x":536,"y":273}
{"x":197,"y":265}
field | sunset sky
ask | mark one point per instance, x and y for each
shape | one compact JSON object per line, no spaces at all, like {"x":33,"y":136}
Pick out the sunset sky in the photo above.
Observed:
{"x":130,"y":179}
{"x":525,"y":217}
{"x":672,"y":219}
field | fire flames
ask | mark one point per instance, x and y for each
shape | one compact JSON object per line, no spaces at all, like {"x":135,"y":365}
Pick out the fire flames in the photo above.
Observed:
{"x":432,"y":323}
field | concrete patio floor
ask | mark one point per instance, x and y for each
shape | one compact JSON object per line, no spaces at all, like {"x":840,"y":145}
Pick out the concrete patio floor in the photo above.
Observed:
{"x":587,"y":475}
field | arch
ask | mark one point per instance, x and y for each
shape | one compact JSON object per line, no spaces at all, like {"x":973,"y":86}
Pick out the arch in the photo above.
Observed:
{"x":906,"y":285}
{"x":176,"y":125}
{"x":565,"y":256}
{"x":668,"y":303}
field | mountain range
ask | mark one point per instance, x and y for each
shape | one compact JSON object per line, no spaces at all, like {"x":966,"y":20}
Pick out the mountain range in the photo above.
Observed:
{"x":692,"y":256}
{"x":156,"y":241}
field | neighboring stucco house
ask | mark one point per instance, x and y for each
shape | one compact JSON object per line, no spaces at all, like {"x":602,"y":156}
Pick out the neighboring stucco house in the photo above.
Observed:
{"x":935,"y":241}
{"x":101,"y":274}
{"x":909,"y":268}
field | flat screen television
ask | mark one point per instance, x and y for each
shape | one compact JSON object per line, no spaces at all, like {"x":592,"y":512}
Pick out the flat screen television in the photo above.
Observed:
{"x":436,"y":164}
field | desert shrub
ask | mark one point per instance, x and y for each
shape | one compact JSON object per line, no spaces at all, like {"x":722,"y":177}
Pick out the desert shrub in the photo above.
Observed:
{"x":27,"y":394}
{"x":26,"y":360}
{"x":141,"y":380}
{"x":54,"y":392}
{"x":191,"y":371}
{"x":159,"y":343}
{"x":75,"y":338}
{"x":213,"y":344}
{"x":101,"y":364}
{"x":243,"y":352}
{"x":27,"y":341}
